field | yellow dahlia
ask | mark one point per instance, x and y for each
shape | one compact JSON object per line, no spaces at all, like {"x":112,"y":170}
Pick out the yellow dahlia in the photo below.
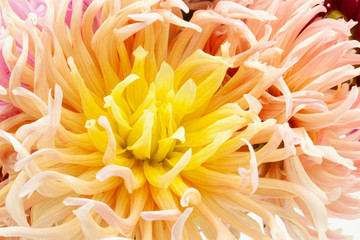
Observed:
{"x":122,"y":120}
{"x":107,"y":124}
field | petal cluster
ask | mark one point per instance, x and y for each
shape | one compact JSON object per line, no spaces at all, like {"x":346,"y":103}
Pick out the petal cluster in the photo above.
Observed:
{"x":123,"y":120}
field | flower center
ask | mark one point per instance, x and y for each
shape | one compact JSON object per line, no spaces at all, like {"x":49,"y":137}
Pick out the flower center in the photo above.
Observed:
{"x":138,"y":119}
{"x":148,"y":129}
{"x":161,"y":123}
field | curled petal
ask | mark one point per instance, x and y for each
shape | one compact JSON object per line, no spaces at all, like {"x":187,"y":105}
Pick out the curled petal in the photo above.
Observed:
{"x":253,"y":172}
{"x":123,"y":226}
{"x":175,"y":3}
{"x":118,"y":171}
{"x":172,"y":18}
{"x":176,"y":230}
{"x":191,"y":195}
{"x":19,"y":148}
{"x":48,"y":152}
{"x":331,"y":154}
{"x":91,"y":230}
{"x":156,"y":178}
{"x":254,"y":105}
{"x":53,"y":189}
{"x":289,"y":137}
{"x":125,"y":32}
{"x":15,"y":205}
{"x":238,"y":11}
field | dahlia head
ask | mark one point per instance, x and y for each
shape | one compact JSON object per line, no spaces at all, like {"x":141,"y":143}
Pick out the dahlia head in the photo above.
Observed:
{"x":123,"y":120}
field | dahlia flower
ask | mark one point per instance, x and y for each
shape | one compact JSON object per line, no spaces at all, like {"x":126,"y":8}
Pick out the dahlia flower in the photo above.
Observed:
{"x":123,"y":120}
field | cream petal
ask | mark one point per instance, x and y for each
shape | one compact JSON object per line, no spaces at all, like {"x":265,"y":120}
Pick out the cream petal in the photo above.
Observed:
{"x":14,"y":204}
{"x":90,"y":228}
{"x":252,"y":173}
{"x":118,"y":171}
{"x":167,"y":215}
{"x":191,"y":195}
{"x":176,"y":231}
{"x":57,"y":232}
{"x":48,"y":152}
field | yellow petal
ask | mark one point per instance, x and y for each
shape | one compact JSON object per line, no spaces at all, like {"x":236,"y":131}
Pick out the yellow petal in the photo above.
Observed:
{"x":154,"y":172}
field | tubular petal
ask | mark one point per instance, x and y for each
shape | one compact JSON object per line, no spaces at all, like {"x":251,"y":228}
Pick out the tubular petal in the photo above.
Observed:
{"x":177,"y":229}
{"x":116,"y":116}
{"x":168,"y":215}
{"x":191,"y":195}
{"x":114,"y":170}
